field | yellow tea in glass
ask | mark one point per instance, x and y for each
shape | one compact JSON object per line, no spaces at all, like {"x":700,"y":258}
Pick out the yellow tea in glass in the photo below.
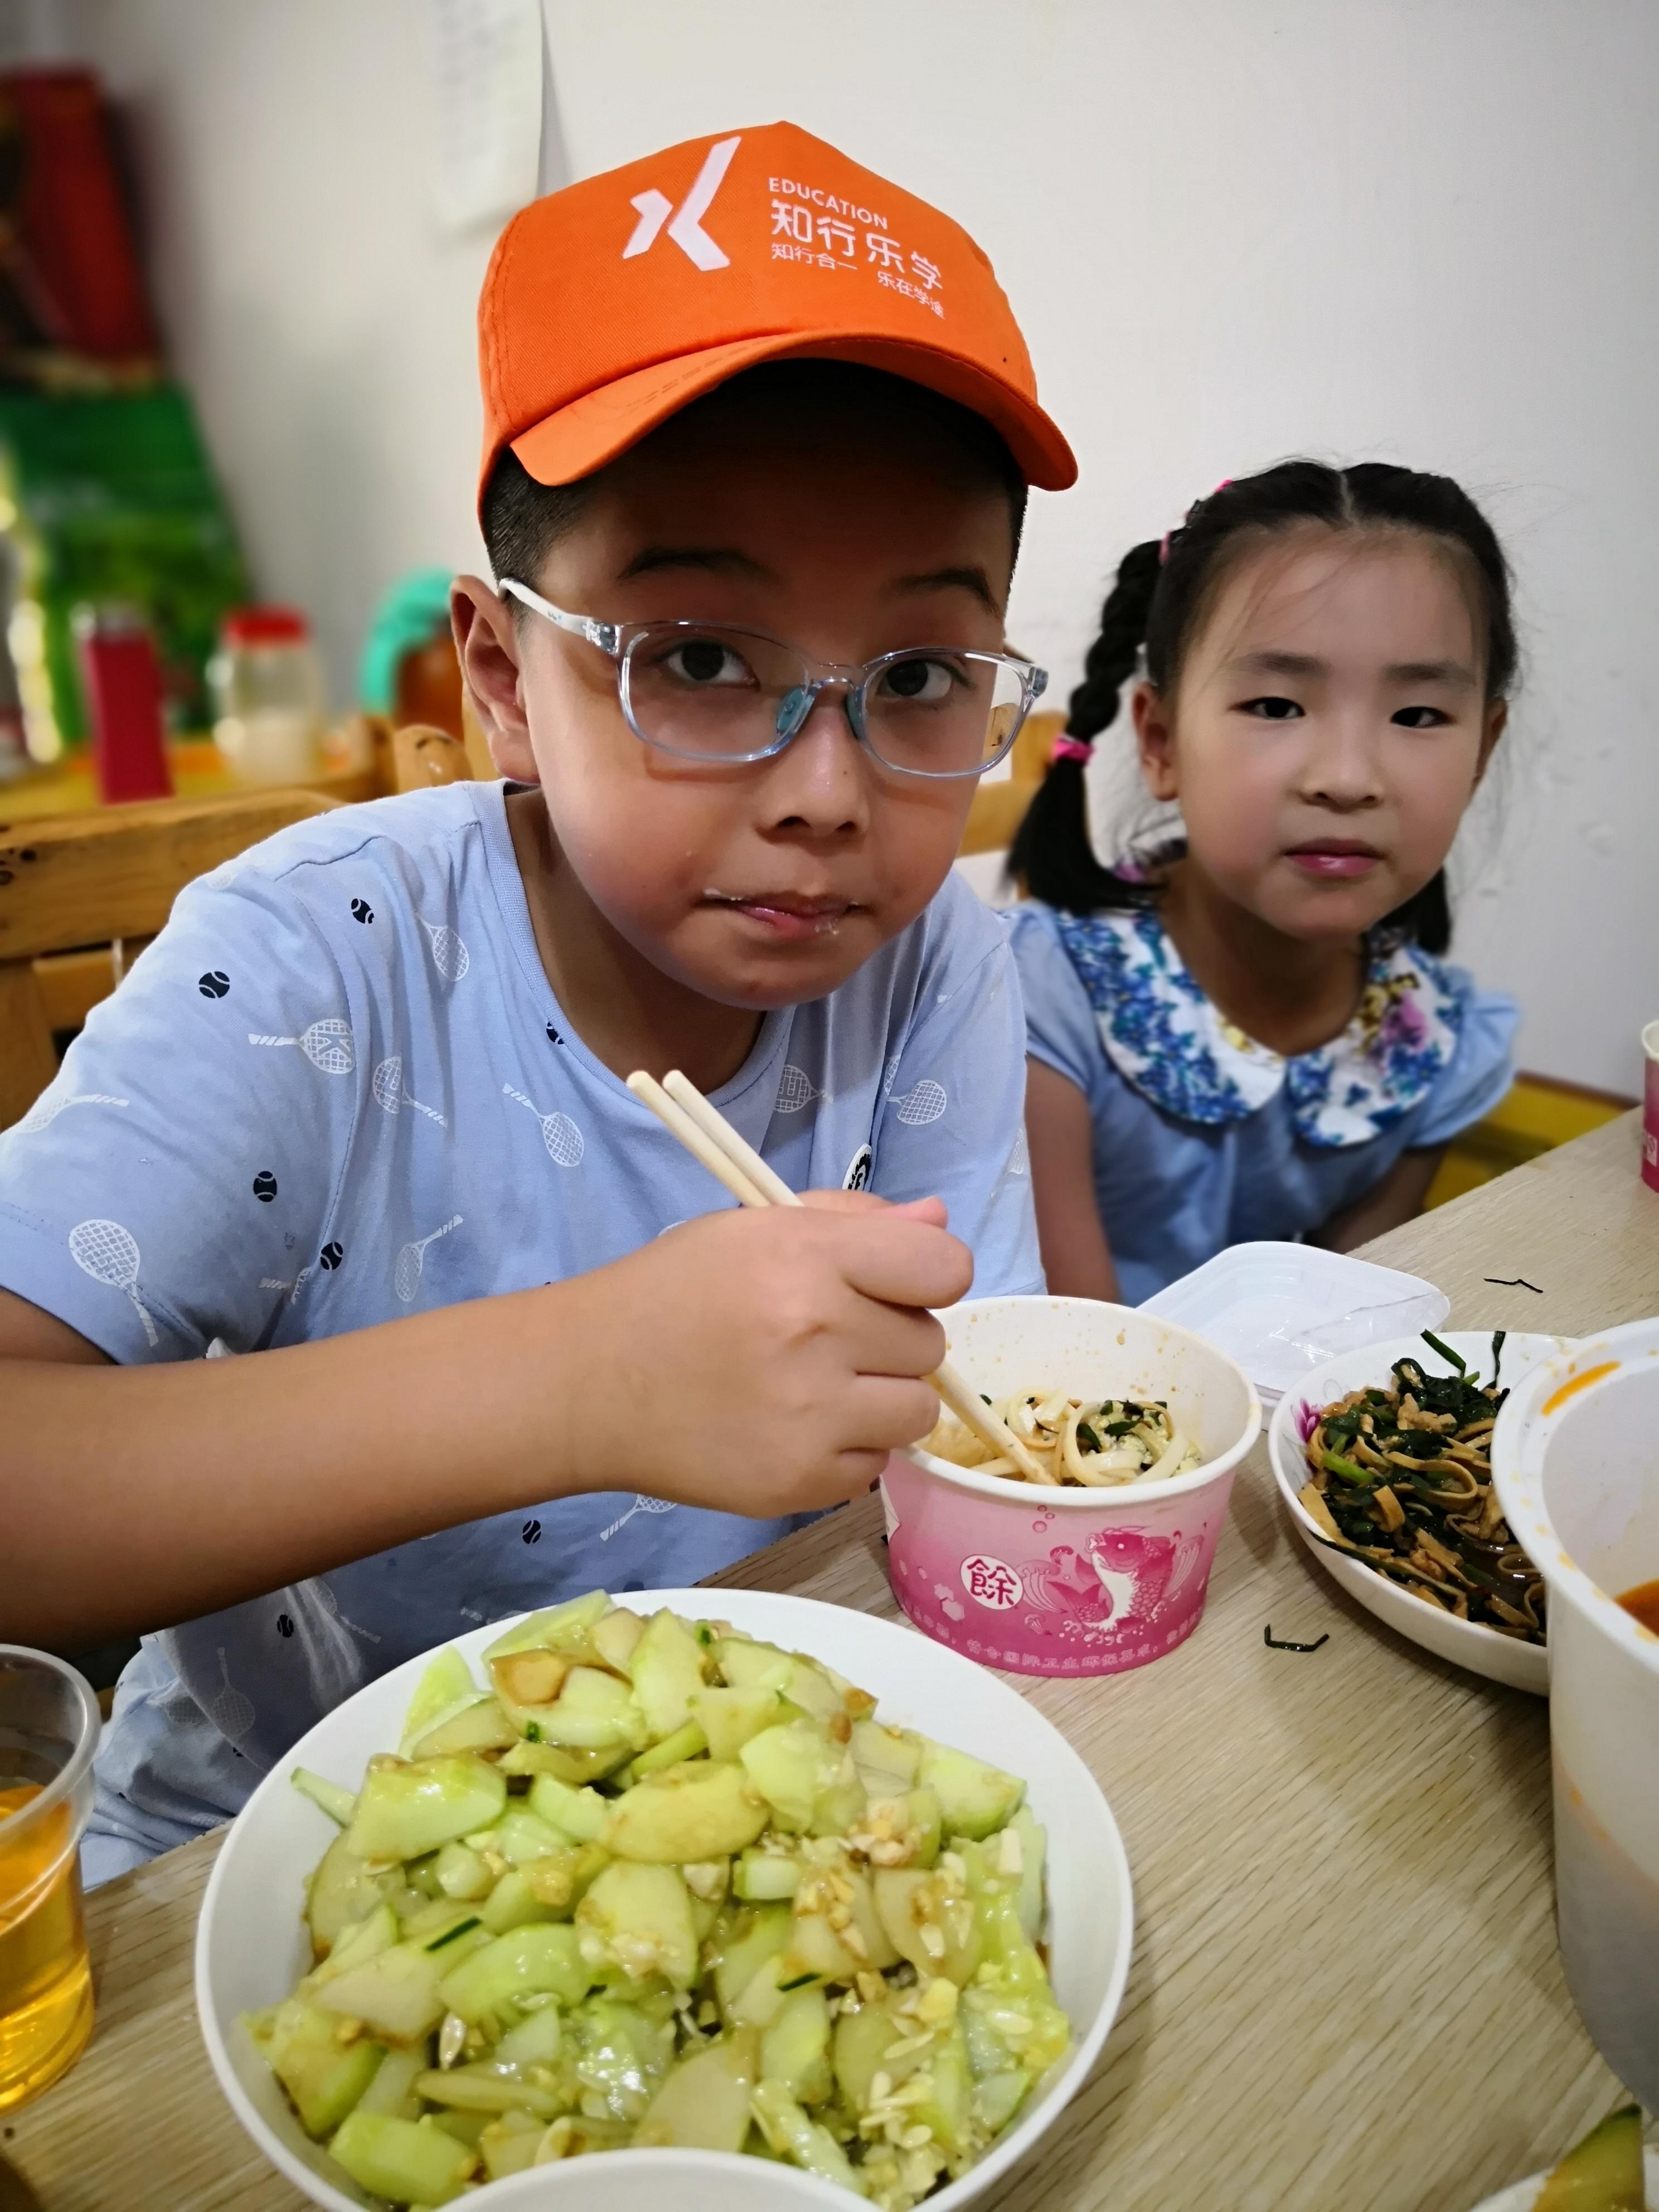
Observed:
{"x":48,"y":1729}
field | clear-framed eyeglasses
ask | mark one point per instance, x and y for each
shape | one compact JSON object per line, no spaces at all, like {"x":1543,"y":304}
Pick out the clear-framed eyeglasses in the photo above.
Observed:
{"x":710,"y":691}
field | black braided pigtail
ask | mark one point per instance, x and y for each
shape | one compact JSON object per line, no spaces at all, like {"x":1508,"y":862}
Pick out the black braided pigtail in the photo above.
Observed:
{"x":1051,"y":855}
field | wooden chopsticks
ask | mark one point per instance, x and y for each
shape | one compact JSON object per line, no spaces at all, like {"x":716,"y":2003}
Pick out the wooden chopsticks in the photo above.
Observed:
{"x":709,"y":1137}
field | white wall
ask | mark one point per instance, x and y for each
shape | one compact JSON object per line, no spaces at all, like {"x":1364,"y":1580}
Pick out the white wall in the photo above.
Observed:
{"x":1232,"y":229}
{"x":310,"y":301}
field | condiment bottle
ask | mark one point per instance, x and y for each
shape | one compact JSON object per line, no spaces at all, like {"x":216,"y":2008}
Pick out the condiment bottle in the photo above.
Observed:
{"x":121,"y":679}
{"x":267,"y":690}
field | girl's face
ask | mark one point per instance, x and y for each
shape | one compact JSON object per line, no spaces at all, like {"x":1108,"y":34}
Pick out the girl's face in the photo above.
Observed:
{"x":1327,"y":730}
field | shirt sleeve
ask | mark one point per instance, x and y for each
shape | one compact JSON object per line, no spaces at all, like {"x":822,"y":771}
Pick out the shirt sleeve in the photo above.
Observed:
{"x":1479,"y":1072}
{"x":952,"y":1122}
{"x":1061,"y":1029}
{"x":174,"y":1183}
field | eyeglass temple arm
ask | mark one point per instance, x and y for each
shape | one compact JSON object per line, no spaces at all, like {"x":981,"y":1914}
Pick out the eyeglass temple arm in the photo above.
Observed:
{"x":606,"y":635}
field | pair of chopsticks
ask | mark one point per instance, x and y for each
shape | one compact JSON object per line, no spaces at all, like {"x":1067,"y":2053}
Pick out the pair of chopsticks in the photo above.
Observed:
{"x":709,"y":1137}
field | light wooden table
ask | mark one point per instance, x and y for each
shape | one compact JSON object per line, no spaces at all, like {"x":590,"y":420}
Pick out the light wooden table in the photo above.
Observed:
{"x":1346,"y":1994}
{"x":197,"y":769}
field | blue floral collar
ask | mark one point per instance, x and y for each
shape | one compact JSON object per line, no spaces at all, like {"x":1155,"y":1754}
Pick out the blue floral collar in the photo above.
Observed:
{"x":1167,"y":1039}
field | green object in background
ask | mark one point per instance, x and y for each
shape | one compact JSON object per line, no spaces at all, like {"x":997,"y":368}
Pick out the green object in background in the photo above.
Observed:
{"x":414,"y":611}
{"x":114,"y":500}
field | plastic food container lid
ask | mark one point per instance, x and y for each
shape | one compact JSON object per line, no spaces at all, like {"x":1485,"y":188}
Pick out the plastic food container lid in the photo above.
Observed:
{"x":1280,"y":1311}
{"x":263,"y":626}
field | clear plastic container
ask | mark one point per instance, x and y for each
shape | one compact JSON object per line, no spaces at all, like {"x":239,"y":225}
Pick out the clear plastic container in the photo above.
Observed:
{"x":268,"y":696}
{"x":1281,"y":1310}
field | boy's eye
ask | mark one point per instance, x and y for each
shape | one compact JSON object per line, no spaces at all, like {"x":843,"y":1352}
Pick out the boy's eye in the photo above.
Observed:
{"x":1272,"y":710}
{"x":703,"y":662}
{"x":922,"y":682}
{"x":1420,"y":718}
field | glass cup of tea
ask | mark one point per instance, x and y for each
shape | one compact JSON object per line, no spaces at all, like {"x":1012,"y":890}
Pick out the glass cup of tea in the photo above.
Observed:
{"x":49,"y":1723}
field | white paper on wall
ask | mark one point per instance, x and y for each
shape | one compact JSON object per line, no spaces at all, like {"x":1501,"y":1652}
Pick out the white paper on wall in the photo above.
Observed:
{"x":487,"y":76}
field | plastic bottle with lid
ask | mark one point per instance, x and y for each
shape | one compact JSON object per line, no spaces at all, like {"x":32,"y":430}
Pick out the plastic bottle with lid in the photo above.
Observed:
{"x":268,"y":693}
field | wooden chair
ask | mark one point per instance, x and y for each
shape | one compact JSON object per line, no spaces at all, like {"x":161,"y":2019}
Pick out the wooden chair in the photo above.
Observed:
{"x":423,"y":754}
{"x":82,"y":895}
{"x":999,"y":808}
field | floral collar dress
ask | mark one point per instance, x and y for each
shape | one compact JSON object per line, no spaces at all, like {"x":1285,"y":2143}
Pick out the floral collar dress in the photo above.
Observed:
{"x":1203,"y":1138}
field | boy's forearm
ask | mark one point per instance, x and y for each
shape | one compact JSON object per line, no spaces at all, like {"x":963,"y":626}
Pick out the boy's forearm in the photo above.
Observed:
{"x":137,"y":1497}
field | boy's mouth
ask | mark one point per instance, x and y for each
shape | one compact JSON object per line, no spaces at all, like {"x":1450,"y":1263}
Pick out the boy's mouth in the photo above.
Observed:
{"x":784,"y":913}
{"x":1334,"y":858}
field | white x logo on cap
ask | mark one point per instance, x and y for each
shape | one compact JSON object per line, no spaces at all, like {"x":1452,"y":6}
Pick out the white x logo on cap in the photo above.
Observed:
{"x":686,"y":227}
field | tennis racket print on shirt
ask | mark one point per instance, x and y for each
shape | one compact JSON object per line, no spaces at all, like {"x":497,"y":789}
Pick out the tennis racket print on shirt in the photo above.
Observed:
{"x":411,"y":1260}
{"x":922,"y":1103}
{"x":327,"y":1044}
{"x":391,"y":1092}
{"x":641,"y":1504}
{"x":231,"y":1713}
{"x":45,"y":1112}
{"x":563,"y":1140}
{"x":449,"y":954}
{"x":109,"y":1254}
{"x":796,"y":1089}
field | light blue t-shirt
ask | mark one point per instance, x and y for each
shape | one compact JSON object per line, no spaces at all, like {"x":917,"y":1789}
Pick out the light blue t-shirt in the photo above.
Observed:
{"x":337,"y":1089}
{"x":1203,"y":1138}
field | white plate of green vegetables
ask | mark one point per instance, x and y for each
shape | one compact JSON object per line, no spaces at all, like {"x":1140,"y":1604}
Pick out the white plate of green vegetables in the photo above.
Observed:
{"x":1447,"y":1575}
{"x":723,"y":1874}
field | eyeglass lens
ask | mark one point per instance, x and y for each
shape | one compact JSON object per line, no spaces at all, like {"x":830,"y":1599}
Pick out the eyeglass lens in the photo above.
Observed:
{"x":730,"y":695}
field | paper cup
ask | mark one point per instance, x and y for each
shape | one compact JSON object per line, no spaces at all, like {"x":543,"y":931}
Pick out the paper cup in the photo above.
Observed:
{"x":1574,"y":1461}
{"x":1065,"y":1581}
{"x":1650,"y":1108}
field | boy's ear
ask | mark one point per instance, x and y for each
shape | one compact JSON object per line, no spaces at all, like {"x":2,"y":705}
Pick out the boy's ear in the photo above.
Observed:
{"x":1154,"y":741}
{"x":486,"y":646}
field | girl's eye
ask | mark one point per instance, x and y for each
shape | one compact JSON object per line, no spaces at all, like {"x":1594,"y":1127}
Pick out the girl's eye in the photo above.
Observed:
{"x":919,"y":683}
{"x":1420,"y":718}
{"x":1272,"y":710}
{"x":703,"y":662}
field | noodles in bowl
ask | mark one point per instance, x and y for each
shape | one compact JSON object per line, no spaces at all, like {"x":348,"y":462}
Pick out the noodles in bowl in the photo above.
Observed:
{"x":1082,"y":1442}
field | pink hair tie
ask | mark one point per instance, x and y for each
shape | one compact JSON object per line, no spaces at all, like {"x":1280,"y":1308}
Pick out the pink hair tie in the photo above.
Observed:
{"x":1077,"y":749}
{"x":1163,"y":543}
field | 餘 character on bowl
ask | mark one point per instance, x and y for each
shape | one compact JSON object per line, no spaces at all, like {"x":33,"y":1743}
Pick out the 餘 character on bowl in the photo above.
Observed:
{"x":252,"y":1947}
{"x":1063,"y":1580}
{"x":1471,"y":1644}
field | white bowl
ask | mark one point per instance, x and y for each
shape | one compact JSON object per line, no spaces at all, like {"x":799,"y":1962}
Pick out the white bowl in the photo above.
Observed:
{"x":251,"y":1946}
{"x":1521,"y":2196}
{"x":649,"y":2180}
{"x":1465,"y":1643}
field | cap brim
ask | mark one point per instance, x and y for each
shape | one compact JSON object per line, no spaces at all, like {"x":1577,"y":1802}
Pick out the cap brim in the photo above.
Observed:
{"x":593,"y":429}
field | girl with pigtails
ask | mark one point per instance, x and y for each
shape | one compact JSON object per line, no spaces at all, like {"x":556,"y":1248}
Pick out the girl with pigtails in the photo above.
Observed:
{"x":1249,"y":1029}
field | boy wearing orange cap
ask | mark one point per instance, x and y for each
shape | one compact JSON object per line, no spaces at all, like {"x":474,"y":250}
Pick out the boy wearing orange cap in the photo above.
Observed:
{"x":758,"y":430}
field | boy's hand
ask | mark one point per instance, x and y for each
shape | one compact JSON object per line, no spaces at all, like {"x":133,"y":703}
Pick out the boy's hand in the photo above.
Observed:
{"x":767,"y":1362}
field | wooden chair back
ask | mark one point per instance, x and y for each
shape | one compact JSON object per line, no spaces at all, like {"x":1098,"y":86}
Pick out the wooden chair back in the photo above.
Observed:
{"x":423,"y":755}
{"x":999,"y":808}
{"x":81,"y":894}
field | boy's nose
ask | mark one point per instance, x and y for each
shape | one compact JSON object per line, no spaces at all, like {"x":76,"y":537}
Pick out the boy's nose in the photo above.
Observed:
{"x":818,"y":782}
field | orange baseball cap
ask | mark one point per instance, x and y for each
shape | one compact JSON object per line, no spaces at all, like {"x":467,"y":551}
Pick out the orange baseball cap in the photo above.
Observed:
{"x":610,"y":305}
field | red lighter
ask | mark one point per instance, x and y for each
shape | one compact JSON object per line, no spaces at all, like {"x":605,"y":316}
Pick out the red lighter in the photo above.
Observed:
{"x":123,"y":682}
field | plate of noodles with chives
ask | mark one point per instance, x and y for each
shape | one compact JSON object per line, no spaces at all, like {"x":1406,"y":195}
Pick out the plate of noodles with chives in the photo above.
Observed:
{"x":1384,"y":1456}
